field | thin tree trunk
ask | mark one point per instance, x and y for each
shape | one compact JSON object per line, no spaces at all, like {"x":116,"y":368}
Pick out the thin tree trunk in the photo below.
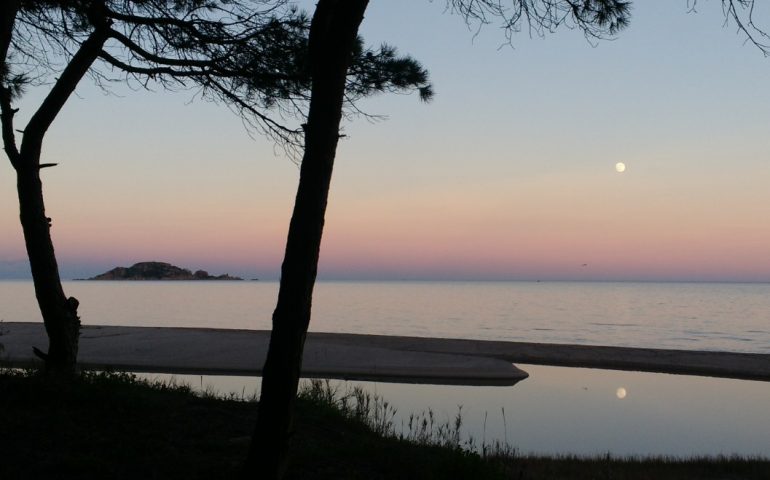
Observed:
{"x":59,"y":312}
{"x":333,"y":31}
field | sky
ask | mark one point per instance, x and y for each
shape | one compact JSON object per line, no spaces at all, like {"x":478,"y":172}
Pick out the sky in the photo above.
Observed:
{"x":508,"y":174}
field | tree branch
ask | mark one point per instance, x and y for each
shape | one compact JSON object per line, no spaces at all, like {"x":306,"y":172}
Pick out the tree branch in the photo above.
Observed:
{"x":148,"y":71}
{"x":192,"y":26}
{"x":8,"y":11}
{"x":253,"y":60}
{"x":6,"y":117}
{"x":595,"y":18}
{"x":273,"y":127}
{"x":175,"y":62}
{"x":77,"y":68}
{"x":754,"y":34}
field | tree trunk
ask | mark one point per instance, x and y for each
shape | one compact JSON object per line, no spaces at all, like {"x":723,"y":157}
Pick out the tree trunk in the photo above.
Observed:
{"x":59,"y":312}
{"x":333,"y":31}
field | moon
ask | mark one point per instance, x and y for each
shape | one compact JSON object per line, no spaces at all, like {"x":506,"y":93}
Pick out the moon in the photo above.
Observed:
{"x":621,"y":393}
{"x":620,"y":167}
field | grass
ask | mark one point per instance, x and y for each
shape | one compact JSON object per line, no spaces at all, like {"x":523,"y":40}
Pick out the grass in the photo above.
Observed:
{"x":113,"y":426}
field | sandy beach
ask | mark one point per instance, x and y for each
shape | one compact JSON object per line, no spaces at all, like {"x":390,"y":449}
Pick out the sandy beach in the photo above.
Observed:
{"x":363,"y":357}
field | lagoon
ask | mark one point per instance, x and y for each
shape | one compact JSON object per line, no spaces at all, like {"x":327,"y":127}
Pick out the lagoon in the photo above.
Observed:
{"x":560,"y":410}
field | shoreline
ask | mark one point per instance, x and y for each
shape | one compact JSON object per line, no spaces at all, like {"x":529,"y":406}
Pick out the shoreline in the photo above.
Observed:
{"x":735,"y":365}
{"x":350,"y":356}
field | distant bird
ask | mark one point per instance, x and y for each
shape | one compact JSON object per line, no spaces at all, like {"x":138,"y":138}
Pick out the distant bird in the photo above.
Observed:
{"x":584,"y":265}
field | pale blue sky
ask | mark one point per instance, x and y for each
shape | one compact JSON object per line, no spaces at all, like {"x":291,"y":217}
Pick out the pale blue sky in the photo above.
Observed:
{"x":508,"y":173}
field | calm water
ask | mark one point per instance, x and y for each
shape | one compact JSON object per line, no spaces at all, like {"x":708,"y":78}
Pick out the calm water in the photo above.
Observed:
{"x":584,"y":412}
{"x":696,"y":316}
{"x":556,"y":410}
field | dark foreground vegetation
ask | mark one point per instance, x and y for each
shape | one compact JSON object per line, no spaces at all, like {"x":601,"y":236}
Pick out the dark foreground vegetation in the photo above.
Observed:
{"x":115,"y":426}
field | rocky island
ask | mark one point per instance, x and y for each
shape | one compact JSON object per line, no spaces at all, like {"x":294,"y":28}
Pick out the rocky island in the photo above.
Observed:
{"x":158,"y":271}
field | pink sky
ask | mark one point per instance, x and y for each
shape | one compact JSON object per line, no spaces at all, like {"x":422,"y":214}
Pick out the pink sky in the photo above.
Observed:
{"x":508,"y":174}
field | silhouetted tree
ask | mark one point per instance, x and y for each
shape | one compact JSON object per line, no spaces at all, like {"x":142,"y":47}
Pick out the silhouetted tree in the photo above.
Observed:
{"x":332,"y":36}
{"x":59,"y":312}
{"x":330,"y":49}
{"x":249,"y":54}
{"x":165,"y":41}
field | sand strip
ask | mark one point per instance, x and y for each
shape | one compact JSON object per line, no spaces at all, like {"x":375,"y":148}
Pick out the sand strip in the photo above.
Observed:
{"x":203,"y":351}
{"x":364,"y":357}
{"x":747,"y":366}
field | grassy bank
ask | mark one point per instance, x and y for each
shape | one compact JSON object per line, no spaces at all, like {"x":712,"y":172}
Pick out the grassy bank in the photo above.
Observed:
{"x":112,"y":426}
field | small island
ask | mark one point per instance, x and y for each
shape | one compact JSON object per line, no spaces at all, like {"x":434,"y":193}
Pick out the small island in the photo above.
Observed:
{"x":158,"y":271}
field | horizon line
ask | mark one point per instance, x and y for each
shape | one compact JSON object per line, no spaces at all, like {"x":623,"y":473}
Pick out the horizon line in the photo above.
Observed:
{"x":272,"y":279}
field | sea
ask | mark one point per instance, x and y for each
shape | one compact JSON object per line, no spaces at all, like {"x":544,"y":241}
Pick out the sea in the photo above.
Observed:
{"x":692,"y":316}
{"x":556,"y":410}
